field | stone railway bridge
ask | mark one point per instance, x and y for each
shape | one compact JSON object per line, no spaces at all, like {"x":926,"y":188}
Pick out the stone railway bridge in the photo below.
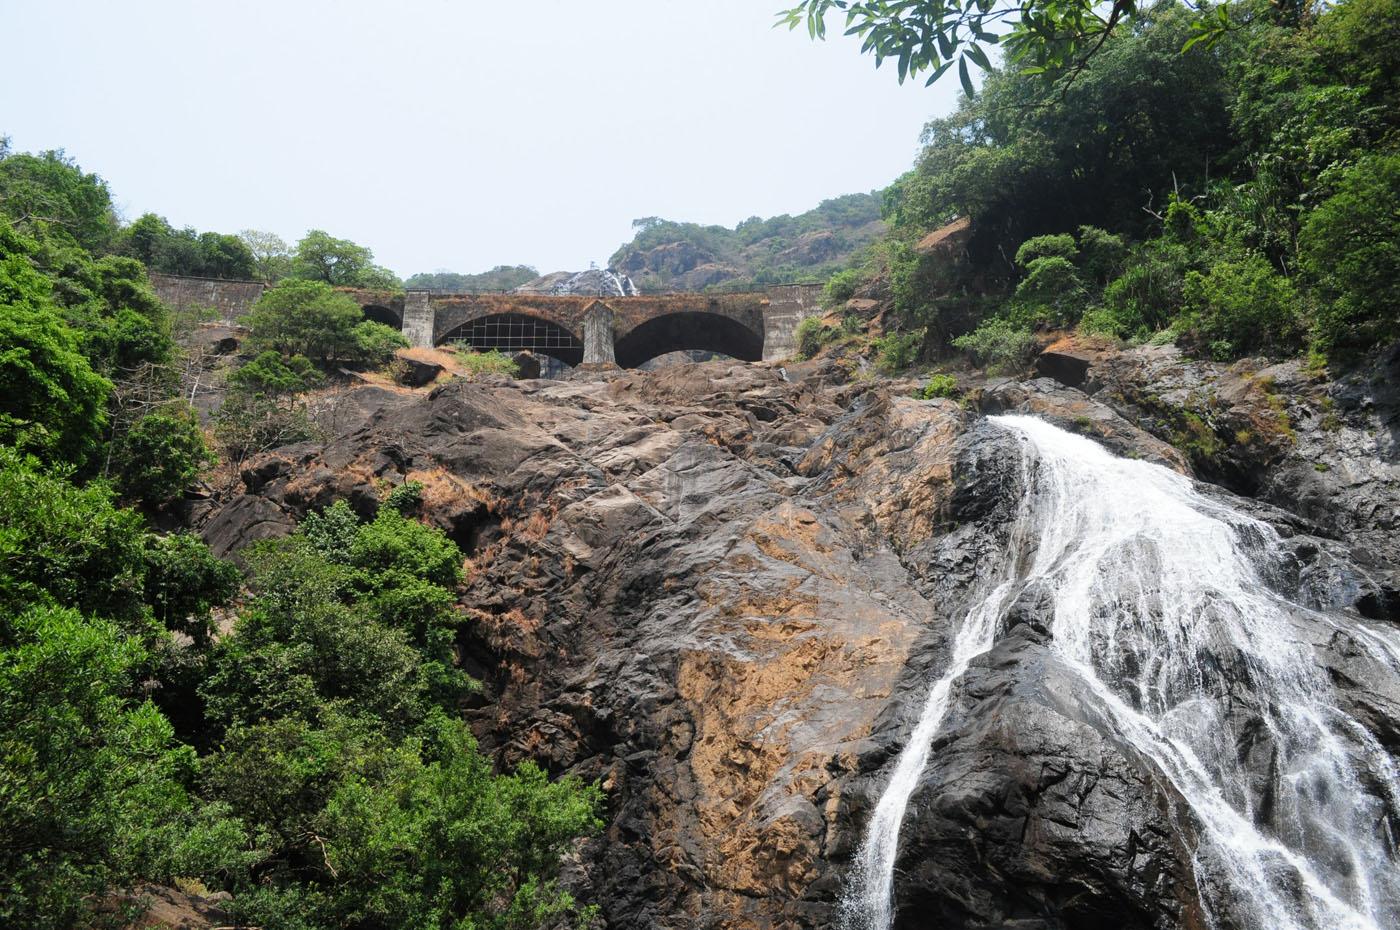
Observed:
{"x":578,"y":330}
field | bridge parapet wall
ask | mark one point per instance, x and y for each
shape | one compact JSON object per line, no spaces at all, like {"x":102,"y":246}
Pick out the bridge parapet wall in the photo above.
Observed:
{"x":230,"y":300}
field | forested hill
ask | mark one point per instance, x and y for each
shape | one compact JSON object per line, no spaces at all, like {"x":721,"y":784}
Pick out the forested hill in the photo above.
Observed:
{"x":500,"y":278}
{"x":666,"y":255}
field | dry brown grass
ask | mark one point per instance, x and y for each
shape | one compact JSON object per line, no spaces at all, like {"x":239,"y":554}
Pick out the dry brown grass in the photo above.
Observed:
{"x":444,"y":491}
{"x":536,"y":526}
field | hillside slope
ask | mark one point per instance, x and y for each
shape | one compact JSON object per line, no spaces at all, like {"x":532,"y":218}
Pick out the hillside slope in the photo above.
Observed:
{"x":670,"y":256}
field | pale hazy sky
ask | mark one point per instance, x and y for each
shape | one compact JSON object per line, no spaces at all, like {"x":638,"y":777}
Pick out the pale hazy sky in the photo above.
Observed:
{"x":454,"y":134}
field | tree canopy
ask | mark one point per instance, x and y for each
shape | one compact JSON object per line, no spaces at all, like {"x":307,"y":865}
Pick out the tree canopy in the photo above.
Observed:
{"x":1056,"y":37}
{"x":48,"y":194}
{"x":321,"y":257}
{"x":153,"y":241}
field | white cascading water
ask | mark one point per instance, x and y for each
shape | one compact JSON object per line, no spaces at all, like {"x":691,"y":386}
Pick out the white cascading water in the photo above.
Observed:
{"x":1161,"y":605}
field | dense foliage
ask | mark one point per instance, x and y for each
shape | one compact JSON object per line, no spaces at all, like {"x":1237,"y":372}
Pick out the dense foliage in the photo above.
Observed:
{"x":186,"y":251}
{"x":310,"y":318}
{"x":1239,"y":196}
{"x":48,"y":193}
{"x":309,"y":761}
{"x":301,"y":749}
{"x":52,"y":403}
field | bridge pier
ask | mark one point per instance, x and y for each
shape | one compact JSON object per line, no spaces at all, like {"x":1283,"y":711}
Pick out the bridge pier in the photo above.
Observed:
{"x":419,"y":319}
{"x":598,"y":350}
{"x":788,"y":305}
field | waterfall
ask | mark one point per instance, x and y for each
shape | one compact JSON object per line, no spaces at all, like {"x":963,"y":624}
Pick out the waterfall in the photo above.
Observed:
{"x":1165,"y":604}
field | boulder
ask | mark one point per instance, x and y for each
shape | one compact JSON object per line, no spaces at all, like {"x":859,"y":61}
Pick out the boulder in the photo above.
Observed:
{"x":413,"y":372}
{"x":527,"y":365}
{"x":1069,"y":368}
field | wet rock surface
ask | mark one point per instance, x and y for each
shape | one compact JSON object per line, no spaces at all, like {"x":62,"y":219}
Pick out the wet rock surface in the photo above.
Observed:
{"x":723,"y":595}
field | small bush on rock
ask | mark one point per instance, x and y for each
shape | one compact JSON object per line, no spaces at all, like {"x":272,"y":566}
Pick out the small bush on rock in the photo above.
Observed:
{"x":493,"y":362}
{"x":945,"y":386}
{"x":376,"y":343}
{"x":999,"y":344}
{"x":842,"y":286}
{"x":812,"y":334}
{"x":897,"y":351}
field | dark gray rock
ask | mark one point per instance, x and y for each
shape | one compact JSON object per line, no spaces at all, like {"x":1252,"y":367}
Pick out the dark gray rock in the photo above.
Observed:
{"x":723,"y":595}
{"x":412,"y":372}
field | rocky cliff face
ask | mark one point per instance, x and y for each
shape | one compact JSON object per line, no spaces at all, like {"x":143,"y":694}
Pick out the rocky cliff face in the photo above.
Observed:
{"x":723,"y":593}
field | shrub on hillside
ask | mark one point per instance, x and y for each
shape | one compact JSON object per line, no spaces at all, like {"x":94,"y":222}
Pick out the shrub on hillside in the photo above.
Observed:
{"x":263,"y":409}
{"x":1058,"y":245}
{"x":999,"y":344}
{"x":161,"y":456}
{"x":1240,"y":306}
{"x":940,"y":385}
{"x":811,"y":335}
{"x":376,"y":343}
{"x":897,"y":351}
{"x":1147,"y":296}
{"x":842,"y":286}
{"x":493,"y":362}
{"x":1350,"y":246}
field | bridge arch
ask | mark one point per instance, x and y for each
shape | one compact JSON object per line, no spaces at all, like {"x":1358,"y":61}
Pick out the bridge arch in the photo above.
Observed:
{"x":689,"y":329}
{"x":379,"y":313}
{"x":518,"y":332}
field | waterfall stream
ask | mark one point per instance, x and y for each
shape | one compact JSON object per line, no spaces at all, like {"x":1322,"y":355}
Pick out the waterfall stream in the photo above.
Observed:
{"x":1166,"y":603}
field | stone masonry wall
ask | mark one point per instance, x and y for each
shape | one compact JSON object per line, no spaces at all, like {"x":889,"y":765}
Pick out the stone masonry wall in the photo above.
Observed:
{"x":228,"y":300}
{"x":788,"y":305}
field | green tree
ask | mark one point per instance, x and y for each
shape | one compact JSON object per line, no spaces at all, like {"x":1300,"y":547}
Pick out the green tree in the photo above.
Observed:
{"x":91,"y":782}
{"x":93,"y":787}
{"x":67,"y":546}
{"x":1350,"y":246}
{"x":145,"y":238}
{"x":263,"y":409}
{"x":225,"y":256}
{"x":48,"y":194}
{"x":299,"y":317}
{"x":322,"y":257}
{"x":184,"y":582}
{"x":329,"y":702}
{"x":311,"y":319}
{"x":161,"y":456}
{"x":272,"y":259}
{"x":153,"y":241}
{"x":51,"y":401}
{"x":1056,"y":36}
{"x":376,"y":343}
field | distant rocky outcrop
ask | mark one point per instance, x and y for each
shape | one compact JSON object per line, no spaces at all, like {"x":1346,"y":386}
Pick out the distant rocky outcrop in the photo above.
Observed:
{"x":595,"y":282}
